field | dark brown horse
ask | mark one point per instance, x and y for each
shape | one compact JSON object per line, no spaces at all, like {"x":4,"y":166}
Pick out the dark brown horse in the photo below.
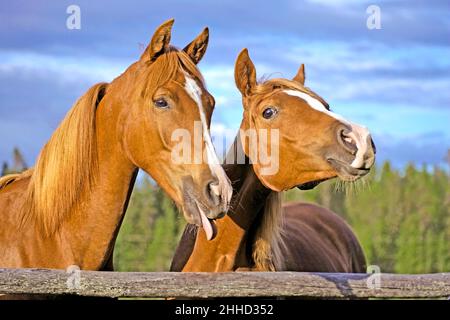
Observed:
{"x":314,"y":145}
{"x":68,"y":209}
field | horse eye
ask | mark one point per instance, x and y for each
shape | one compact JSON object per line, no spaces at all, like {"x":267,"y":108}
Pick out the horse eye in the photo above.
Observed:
{"x":269,"y":113}
{"x":161,"y":103}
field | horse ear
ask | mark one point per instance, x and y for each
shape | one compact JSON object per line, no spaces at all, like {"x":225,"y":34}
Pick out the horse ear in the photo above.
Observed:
{"x":300,"y":76}
{"x":245,"y":73}
{"x":160,"y":41}
{"x":197,"y":48}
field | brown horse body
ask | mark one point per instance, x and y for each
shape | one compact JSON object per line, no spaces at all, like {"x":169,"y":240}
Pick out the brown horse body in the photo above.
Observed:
{"x":68,"y":209}
{"x":314,"y":145}
{"x":316,"y":239}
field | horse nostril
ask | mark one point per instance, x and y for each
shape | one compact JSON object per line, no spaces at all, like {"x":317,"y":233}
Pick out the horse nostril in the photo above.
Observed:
{"x":347,"y":141}
{"x":213,"y":192}
{"x":373,"y":146}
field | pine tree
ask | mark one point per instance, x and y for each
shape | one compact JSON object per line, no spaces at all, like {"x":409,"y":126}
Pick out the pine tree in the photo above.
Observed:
{"x":19,"y":164}
{"x":19,"y":161}
{"x":5,"y":169}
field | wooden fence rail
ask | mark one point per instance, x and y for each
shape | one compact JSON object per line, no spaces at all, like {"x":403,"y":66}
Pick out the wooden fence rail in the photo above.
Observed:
{"x":235,"y":284}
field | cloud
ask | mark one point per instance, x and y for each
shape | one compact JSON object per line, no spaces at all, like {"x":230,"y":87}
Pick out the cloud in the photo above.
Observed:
{"x":70,"y":69}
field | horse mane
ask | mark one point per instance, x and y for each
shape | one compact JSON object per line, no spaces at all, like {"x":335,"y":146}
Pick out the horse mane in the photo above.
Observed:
{"x":268,"y":240}
{"x":65,"y":166}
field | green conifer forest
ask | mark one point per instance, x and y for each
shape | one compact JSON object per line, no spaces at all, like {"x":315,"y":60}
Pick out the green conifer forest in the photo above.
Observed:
{"x":402,"y":218}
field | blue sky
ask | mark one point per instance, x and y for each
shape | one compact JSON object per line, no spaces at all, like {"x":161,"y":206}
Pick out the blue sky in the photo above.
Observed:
{"x":395,"y":80}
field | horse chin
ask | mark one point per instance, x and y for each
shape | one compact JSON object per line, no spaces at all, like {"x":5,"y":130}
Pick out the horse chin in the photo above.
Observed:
{"x":346,"y":172}
{"x":310,"y":185}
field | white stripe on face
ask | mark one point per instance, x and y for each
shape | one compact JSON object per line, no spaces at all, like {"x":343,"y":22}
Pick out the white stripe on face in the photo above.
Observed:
{"x":195,"y":93}
{"x":316,"y":104}
{"x":358,"y":133}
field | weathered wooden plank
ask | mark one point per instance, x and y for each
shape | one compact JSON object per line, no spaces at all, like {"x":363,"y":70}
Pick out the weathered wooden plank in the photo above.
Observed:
{"x":233,"y":284}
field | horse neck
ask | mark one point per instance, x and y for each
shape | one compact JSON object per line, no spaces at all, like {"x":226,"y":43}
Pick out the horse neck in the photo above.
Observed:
{"x":92,"y":232}
{"x":233,"y":245}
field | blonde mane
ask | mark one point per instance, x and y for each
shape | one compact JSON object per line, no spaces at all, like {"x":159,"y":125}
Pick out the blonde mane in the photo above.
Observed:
{"x":268,"y":241}
{"x":66,"y":166}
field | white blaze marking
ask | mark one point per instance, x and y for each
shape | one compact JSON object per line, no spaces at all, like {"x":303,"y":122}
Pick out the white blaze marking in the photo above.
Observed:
{"x":316,"y":104}
{"x":358,"y":133}
{"x":195,"y":93}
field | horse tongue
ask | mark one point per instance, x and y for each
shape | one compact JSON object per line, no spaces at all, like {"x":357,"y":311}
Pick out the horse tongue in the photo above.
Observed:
{"x":207,"y":226}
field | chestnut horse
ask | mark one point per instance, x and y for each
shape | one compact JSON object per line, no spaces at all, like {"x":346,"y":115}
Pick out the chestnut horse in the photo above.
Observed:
{"x":314,"y":145}
{"x":68,"y":209}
